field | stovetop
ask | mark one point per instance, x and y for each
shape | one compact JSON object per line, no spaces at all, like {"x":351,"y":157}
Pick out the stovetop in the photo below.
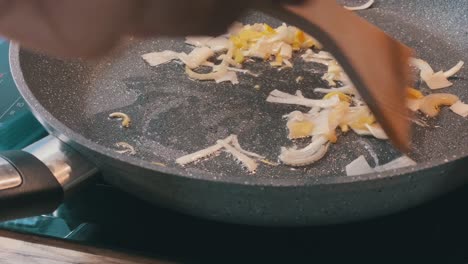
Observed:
{"x":102,"y":216}
{"x":106,"y":217}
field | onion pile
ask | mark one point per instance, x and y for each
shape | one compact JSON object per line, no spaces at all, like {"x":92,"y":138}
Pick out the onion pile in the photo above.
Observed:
{"x":260,"y":41}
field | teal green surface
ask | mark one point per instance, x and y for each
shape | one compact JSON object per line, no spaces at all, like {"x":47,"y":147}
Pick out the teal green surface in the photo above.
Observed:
{"x":18,"y":127}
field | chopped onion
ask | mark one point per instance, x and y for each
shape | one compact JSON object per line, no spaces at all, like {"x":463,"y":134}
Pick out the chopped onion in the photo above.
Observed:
{"x":282,"y":34}
{"x":197,"y":41}
{"x":236,"y":150}
{"x":216,"y":44}
{"x":335,"y":73}
{"x":249,"y":163}
{"x":435,"y":80}
{"x":438,"y":81}
{"x":235,"y":143}
{"x":460,"y":108}
{"x":424,"y":67}
{"x":431,"y":103}
{"x":377,"y":131}
{"x":335,"y":118}
{"x":127,"y":148}
{"x":197,"y":57}
{"x":277,"y":96}
{"x":158,"y":58}
{"x":362,"y":132}
{"x":358,"y":166}
{"x":262,"y":49}
{"x":286,"y":51}
{"x":414,"y":104}
{"x":299,"y":125}
{"x":361,"y":7}
{"x":454,"y":70}
{"x":205,"y":76}
{"x":306,"y":156}
{"x":358,"y":116}
{"x":321,"y":57}
{"x":348,"y":89}
{"x":398,"y":163}
{"x":229,"y":76}
{"x":229,"y":61}
{"x":321,"y":123}
{"x":202,"y":153}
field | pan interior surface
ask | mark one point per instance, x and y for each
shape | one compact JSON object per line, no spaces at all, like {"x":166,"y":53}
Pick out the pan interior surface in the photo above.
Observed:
{"x":173,"y":115}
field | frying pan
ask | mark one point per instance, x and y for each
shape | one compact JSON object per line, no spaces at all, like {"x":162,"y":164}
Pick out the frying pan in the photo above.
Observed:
{"x":173,"y":116}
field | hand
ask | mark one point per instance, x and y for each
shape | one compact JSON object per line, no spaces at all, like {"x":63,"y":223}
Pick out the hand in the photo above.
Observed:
{"x":88,"y":28}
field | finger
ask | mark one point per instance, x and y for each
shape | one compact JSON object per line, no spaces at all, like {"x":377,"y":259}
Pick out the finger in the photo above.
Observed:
{"x":66,"y":27}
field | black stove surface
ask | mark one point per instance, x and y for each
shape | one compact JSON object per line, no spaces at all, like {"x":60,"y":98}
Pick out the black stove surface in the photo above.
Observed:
{"x":436,"y":232}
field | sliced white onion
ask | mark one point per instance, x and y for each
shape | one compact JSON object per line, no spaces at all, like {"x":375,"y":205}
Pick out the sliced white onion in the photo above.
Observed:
{"x":438,"y":81}
{"x":235,"y":143}
{"x":319,"y":61}
{"x":435,"y":80}
{"x":454,"y":70}
{"x":282,"y":33}
{"x":321,"y":57}
{"x":277,"y":96}
{"x":299,"y":93}
{"x":424,"y":67}
{"x":127,"y":148}
{"x":262,"y":49}
{"x":202,"y":153}
{"x":218,"y":44}
{"x":197,"y":57}
{"x":298,"y":116}
{"x":460,"y":109}
{"x":197,"y":41}
{"x":249,"y":163}
{"x":348,"y":89}
{"x":362,"y":132}
{"x":355,"y":113}
{"x":358,"y":166}
{"x":361,"y":7}
{"x":413,"y":104}
{"x":205,"y":76}
{"x":398,"y":163}
{"x":287,"y":63}
{"x":244,"y":71}
{"x":377,"y":131}
{"x":306,"y":156}
{"x":286,"y":51}
{"x":229,"y":61}
{"x":334,"y":73}
{"x":229,"y":76}
{"x":314,"y":110}
{"x":158,"y":58}
{"x":337,"y":115}
{"x":321,"y":123}
{"x":235,"y":28}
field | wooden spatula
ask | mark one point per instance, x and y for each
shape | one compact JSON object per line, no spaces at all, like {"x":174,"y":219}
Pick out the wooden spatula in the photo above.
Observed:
{"x":376,"y":63}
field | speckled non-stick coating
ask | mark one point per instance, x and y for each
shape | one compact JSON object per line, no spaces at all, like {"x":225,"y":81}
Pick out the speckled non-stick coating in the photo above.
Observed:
{"x":173,"y":115}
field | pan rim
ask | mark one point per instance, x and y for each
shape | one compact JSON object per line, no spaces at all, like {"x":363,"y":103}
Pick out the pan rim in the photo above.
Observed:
{"x":67,"y":134}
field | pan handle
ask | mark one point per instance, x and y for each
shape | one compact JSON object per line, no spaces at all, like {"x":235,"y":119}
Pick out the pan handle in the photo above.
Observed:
{"x":35,"y":180}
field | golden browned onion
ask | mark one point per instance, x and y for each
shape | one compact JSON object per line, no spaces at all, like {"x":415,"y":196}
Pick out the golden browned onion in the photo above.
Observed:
{"x":431,"y":103}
